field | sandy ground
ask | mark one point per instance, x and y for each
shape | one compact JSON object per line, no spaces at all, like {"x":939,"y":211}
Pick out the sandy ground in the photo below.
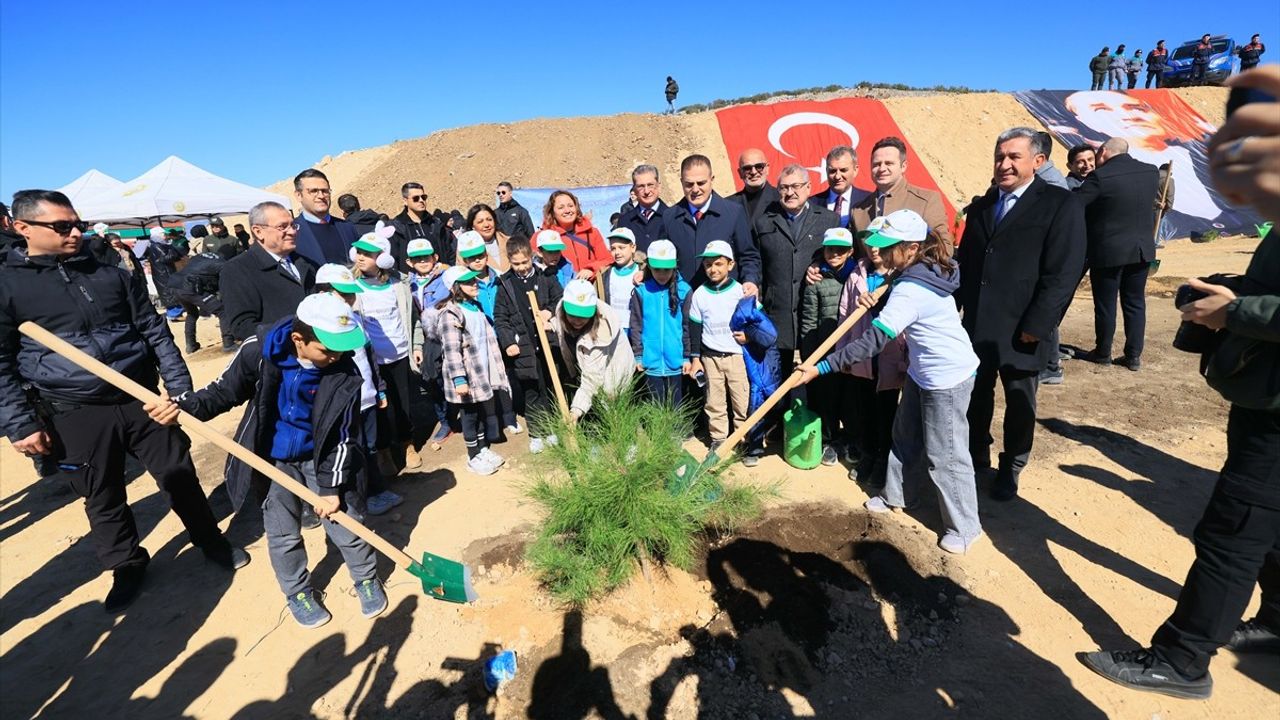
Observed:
{"x":818,"y":611}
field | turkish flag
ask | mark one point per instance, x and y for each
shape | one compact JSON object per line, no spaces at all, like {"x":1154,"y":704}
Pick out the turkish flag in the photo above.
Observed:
{"x":804,"y":131}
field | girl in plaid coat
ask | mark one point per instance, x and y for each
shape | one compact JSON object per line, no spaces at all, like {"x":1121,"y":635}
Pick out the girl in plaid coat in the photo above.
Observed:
{"x":472,"y":365}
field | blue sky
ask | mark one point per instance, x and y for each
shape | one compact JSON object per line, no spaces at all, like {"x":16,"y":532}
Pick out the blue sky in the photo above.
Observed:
{"x":256,"y":91}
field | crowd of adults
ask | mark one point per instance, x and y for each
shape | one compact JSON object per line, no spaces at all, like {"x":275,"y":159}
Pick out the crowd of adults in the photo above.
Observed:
{"x":1117,"y":71}
{"x":1027,"y":243}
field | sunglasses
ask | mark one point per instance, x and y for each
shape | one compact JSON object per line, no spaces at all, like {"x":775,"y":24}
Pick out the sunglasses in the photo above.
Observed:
{"x":758,"y":167}
{"x":417,"y":198}
{"x":62,"y":227}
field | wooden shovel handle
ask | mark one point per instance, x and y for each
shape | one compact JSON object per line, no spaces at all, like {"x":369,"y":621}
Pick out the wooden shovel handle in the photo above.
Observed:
{"x":206,"y":431}
{"x":551,"y":362}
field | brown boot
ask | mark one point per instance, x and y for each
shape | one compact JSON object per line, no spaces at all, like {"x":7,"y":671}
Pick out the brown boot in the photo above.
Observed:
{"x":412,"y":460}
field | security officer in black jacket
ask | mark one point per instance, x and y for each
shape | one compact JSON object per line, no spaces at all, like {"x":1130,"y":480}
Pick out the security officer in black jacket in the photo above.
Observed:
{"x":84,"y":424}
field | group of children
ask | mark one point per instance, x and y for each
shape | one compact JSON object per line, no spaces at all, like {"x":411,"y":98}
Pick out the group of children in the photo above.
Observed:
{"x":330,"y":386}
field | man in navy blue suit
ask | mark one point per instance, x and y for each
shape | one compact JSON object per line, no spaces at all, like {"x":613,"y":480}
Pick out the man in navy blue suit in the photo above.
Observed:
{"x":322,"y":238}
{"x":702,"y":216}
{"x":840,"y":195}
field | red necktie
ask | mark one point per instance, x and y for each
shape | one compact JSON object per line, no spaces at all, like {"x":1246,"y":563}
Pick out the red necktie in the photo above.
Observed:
{"x":839,"y":203}
{"x":646,"y":213}
{"x":697,"y":215}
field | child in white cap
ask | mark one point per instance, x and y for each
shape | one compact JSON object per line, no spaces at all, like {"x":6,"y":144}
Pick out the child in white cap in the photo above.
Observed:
{"x":620,"y":279}
{"x":550,"y":247}
{"x":472,"y":367}
{"x":594,"y":348}
{"x":714,"y":348}
{"x":819,"y":309}
{"x":658,"y":338}
{"x":426,"y":283}
{"x":931,"y":433}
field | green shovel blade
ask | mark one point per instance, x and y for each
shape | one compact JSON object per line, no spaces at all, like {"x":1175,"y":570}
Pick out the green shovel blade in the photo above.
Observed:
{"x":689,"y":470}
{"x":444,"y":579}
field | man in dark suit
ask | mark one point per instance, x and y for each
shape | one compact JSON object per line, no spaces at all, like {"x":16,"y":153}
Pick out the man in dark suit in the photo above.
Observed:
{"x":789,"y":236}
{"x":1119,"y":197}
{"x":840,"y":195}
{"x":756,"y":194}
{"x":321,"y":238}
{"x":267,"y":281}
{"x":1020,"y":258}
{"x":644,"y":217}
{"x":702,"y":216}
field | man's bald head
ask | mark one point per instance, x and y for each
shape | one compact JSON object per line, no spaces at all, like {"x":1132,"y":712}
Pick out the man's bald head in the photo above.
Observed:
{"x":1111,"y":148}
{"x":753,"y":168}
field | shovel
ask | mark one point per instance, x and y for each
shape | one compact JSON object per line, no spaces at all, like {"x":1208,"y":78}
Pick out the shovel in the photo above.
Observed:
{"x":551,"y":362}
{"x":441,"y":578}
{"x":689,"y":468}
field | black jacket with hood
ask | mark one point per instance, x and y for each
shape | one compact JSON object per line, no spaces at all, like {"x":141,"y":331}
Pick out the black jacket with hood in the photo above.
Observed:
{"x":513,"y":318}
{"x":99,"y":309}
{"x":431,"y":228}
{"x":254,"y":376}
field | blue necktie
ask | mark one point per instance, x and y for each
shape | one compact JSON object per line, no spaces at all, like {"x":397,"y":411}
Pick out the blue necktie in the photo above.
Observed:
{"x":1006,"y":200}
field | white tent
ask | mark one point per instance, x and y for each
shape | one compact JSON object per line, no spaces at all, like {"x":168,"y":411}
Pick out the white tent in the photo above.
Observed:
{"x":172,"y":190}
{"x":89,"y":184}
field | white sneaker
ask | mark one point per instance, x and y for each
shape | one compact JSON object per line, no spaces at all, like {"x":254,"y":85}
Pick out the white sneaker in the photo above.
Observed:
{"x":876,"y":504}
{"x":954,"y":544}
{"x":480,"y":465}
{"x":552,"y":440}
{"x":514,"y":429}
{"x":493,"y":457}
{"x":536,"y":445}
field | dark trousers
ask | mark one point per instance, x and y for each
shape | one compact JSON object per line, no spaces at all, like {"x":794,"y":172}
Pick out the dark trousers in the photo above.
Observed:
{"x":666,"y":389}
{"x":536,"y":397}
{"x":474,"y":420}
{"x":374,"y":483}
{"x":1156,"y":76}
{"x":873,"y":411}
{"x":1197,"y":73}
{"x":1133,"y":80}
{"x":1237,"y":545}
{"x":395,"y":428}
{"x":829,"y":396}
{"x":1019,"y":416}
{"x":1129,"y":282}
{"x":1098,"y":79}
{"x":192,"y":309}
{"x":90,"y":442}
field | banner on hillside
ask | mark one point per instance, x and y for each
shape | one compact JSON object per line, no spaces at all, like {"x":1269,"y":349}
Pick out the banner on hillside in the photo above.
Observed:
{"x":598,"y":202}
{"x":1160,"y":127}
{"x":804,"y":131}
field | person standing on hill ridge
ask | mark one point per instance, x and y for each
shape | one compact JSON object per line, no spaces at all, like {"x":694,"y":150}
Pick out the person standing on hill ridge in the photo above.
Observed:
{"x":1098,"y":67}
{"x":1156,"y":60}
{"x":1251,"y":53}
{"x":673,"y":89}
{"x":1116,"y":65}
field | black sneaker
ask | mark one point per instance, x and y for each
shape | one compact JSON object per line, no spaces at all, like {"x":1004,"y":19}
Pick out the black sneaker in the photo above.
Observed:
{"x":1095,"y":357}
{"x":1142,"y":670}
{"x":1005,"y":487}
{"x":830,"y":456}
{"x":226,"y":556}
{"x":1252,"y":636}
{"x":1134,"y":364}
{"x":193,"y":347}
{"x":126,"y":584}
{"x":229,"y":345}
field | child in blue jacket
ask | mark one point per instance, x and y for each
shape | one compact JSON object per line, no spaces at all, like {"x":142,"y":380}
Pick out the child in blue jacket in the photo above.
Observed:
{"x":657,"y":325}
{"x":755,"y":332}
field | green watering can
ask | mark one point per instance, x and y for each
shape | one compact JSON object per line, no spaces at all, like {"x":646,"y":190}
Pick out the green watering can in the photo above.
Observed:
{"x":801,"y":437}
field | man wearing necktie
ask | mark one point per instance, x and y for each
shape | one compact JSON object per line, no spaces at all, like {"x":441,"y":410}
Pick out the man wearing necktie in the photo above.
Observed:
{"x":893,"y":192}
{"x":266,"y":282}
{"x":1021,"y":258}
{"x":644,"y":219}
{"x":840,"y":195}
{"x":702,"y":216}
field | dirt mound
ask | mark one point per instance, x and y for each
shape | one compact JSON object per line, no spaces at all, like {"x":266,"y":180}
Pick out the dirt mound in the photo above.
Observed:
{"x":460,"y":167}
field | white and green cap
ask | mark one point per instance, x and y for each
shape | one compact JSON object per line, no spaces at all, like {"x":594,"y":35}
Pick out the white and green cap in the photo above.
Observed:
{"x":419,"y":247}
{"x":621,"y":234}
{"x":470,"y":244}
{"x":662,"y":254}
{"x":896,"y":227}
{"x":580,"y":299}
{"x":370,"y":242}
{"x":332,"y":320}
{"x":456,"y":274}
{"x":549,"y":240}
{"x":717,"y":248}
{"x":837,"y":237}
{"x":338,"y":277}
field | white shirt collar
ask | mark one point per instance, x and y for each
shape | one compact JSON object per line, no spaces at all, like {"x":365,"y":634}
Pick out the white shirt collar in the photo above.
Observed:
{"x":847,"y":195}
{"x":1017,"y":192}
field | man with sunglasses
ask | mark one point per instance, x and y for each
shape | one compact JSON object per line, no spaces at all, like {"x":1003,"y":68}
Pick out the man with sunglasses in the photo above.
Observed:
{"x":49,"y":406}
{"x":757,"y":194}
{"x":415,"y":222}
{"x":513,"y":218}
{"x":321,"y":237}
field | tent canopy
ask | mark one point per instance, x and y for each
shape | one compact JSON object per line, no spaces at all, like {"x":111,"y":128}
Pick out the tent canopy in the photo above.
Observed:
{"x":89,"y":184}
{"x":172,"y":190}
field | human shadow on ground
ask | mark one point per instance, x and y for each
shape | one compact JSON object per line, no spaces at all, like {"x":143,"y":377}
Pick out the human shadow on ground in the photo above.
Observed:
{"x":85,"y":663}
{"x":1026,"y":535}
{"x":810,"y":628}
{"x":45,"y":496}
{"x":1172,"y":489}
{"x":569,"y":686}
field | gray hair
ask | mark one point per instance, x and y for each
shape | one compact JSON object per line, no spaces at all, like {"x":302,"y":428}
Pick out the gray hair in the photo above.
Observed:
{"x":258,"y":213}
{"x":841,"y":151}
{"x":792,"y":169}
{"x":1021,"y":132}
{"x":1115,"y":146}
{"x":643,"y":170}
